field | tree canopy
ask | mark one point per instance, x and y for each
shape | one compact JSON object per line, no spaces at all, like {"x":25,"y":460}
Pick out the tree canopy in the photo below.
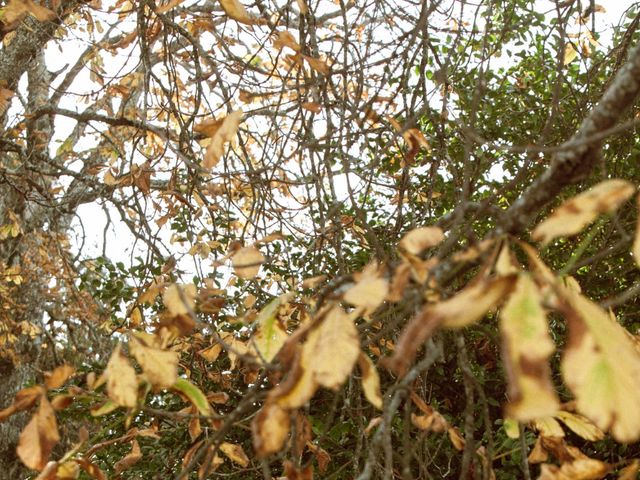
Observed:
{"x":319,"y":238}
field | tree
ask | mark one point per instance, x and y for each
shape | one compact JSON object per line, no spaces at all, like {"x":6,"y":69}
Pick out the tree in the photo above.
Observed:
{"x":361,"y":240}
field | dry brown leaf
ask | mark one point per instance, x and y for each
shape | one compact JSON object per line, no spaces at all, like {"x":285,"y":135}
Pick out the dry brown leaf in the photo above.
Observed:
{"x":322,"y":457}
{"x":221,"y":132}
{"x":370,"y":380}
{"x":527,"y":347}
{"x":466,"y":307}
{"x":578,"y":212}
{"x":234,"y":9}
{"x":270,"y":429}
{"x":580,"y":469}
{"x":122,"y":383}
{"x":235,"y":453}
{"x":39,"y":437}
{"x":160,"y":366}
{"x":246,"y":262}
{"x":16,"y":10}
{"x":59,"y":376}
{"x":25,"y":398}
{"x":130,"y":459}
{"x":312,"y":107}
{"x":286,"y":39}
{"x":211,"y":354}
{"x":5,"y":99}
{"x":317,"y":64}
{"x":418,"y":240}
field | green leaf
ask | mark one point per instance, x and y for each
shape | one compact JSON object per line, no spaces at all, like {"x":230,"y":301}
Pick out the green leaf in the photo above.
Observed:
{"x":194,"y":394}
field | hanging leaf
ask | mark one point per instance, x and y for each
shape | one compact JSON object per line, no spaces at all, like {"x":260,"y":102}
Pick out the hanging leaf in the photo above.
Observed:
{"x":601,"y":366}
{"x":332,"y":349}
{"x":220,"y":132}
{"x":270,"y":335}
{"x":418,"y":240}
{"x":235,"y":453}
{"x":39,"y":437}
{"x":527,"y":347}
{"x":270,"y":429}
{"x":122,"y":383}
{"x":369,"y":291}
{"x":194,"y":394}
{"x":246,"y":262}
{"x":130,"y":459}
{"x":370,"y":381}
{"x":466,"y":307}
{"x":581,"y":426}
{"x":578,"y":212}
{"x":160,"y":366}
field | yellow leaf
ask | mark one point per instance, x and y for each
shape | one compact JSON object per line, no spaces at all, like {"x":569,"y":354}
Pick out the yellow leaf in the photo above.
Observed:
{"x":370,"y":381}
{"x":180,"y":299}
{"x":369,"y":291}
{"x":630,"y":472}
{"x":527,"y":346}
{"x":332,"y":349}
{"x":580,"y":425}
{"x":247,"y":261}
{"x":466,"y":307}
{"x":570,"y":54}
{"x":578,"y":212}
{"x":298,"y":388}
{"x":220,"y":131}
{"x":579,"y":469}
{"x":210,"y":354}
{"x":419,"y":239}
{"x":16,"y":10}
{"x":160,"y":366}
{"x":39,"y":437}
{"x":122,"y":384}
{"x":601,"y":366}
{"x":235,"y":453}
{"x":270,"y":335}
{"x":68,"y":471}
{"x":270,"y":429}
{"x":234,"y":9}
{"x":548,"y":427}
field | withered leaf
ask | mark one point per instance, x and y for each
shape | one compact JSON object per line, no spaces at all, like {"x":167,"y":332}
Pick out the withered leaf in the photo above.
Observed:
{"x":270,"y":429}
{"x":578,"y":212}
{"x":370,"y":380}
{"x":601,"y":366}
{"x":527,"y":347}
{"x":246,"y":262}
{"x":235,"y":453}
{"x":130,"y":459}
{"x":419,"y":239}
{"x":39,"y":437}
{"x":122,"y":383}
{"x":159,"y":365}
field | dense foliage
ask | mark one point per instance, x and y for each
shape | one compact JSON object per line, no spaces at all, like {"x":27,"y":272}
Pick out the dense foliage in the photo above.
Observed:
{"x":287,"y":239}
